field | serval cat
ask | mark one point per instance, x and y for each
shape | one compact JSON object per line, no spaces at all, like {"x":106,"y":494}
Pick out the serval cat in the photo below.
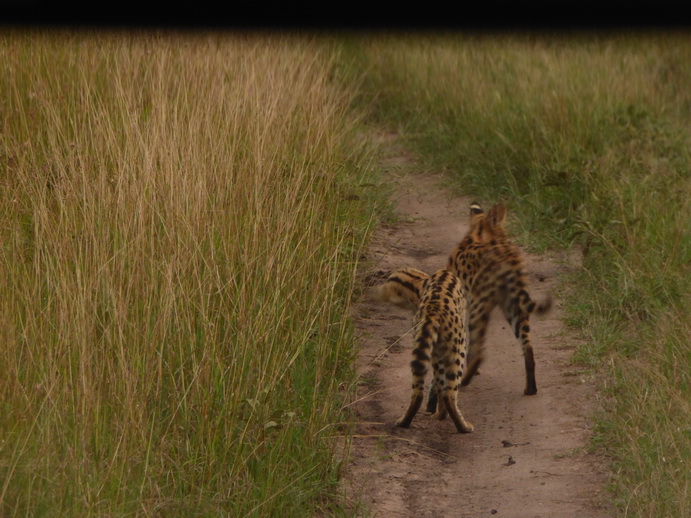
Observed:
{"x":440,"y":338}
{"x":491,"y":269}
{"x":403,"y":288}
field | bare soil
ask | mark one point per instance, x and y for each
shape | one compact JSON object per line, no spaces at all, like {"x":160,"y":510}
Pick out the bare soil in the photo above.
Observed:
{"x":528,"y":454}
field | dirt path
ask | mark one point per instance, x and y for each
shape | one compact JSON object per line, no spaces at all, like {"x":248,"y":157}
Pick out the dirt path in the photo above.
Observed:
{"x":526,"y":456}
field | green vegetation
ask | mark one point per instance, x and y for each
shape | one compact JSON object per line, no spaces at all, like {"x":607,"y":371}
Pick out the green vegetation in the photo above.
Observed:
{"x":587,"y":137}
{"x":181,"y":217}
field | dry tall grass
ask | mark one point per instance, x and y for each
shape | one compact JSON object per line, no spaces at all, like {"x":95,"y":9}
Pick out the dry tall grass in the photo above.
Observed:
{"x":178,"y":242}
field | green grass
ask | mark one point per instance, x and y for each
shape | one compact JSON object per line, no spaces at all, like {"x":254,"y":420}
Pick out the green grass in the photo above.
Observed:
{"x":182,"y":216}
{"x":181,"y":219}
{"x":587,"y":139}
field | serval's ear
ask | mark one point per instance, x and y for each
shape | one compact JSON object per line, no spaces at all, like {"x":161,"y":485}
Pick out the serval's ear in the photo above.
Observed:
{"x":497,"y":214}
{"x":475,"y":209}
{"x":477,"y":215}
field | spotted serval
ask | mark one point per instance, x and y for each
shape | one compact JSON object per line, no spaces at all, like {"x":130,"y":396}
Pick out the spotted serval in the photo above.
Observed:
{"x":403,"y":288}
{"x":440,"y":338}
{"x":491,"y":269}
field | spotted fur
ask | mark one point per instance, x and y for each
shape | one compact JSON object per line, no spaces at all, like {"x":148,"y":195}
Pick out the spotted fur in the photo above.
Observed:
{"x":440,"y":339}
{"x":491,"y":270}
{"x":403,"y":288}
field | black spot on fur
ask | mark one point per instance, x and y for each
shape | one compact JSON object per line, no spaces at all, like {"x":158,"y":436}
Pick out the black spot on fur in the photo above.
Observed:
{"x":418,"y":367}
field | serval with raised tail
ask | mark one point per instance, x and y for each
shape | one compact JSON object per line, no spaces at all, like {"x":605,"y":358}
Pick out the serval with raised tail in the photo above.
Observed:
{"x":440,"y":338}
{"x":491,"y":270}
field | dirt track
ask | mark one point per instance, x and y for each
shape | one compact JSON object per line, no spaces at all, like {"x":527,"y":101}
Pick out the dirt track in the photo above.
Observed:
{"x":526,"y":457}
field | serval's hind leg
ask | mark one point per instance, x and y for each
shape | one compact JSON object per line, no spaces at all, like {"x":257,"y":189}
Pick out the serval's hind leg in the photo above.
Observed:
{"x":448,"y":375}
{"x":520,"y":323}
{"x":415,"y":403}
{"x":432,"y":398}
{"x":425,"y":338}
{"x":449,"y":399}
{"x":438,"y":386}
